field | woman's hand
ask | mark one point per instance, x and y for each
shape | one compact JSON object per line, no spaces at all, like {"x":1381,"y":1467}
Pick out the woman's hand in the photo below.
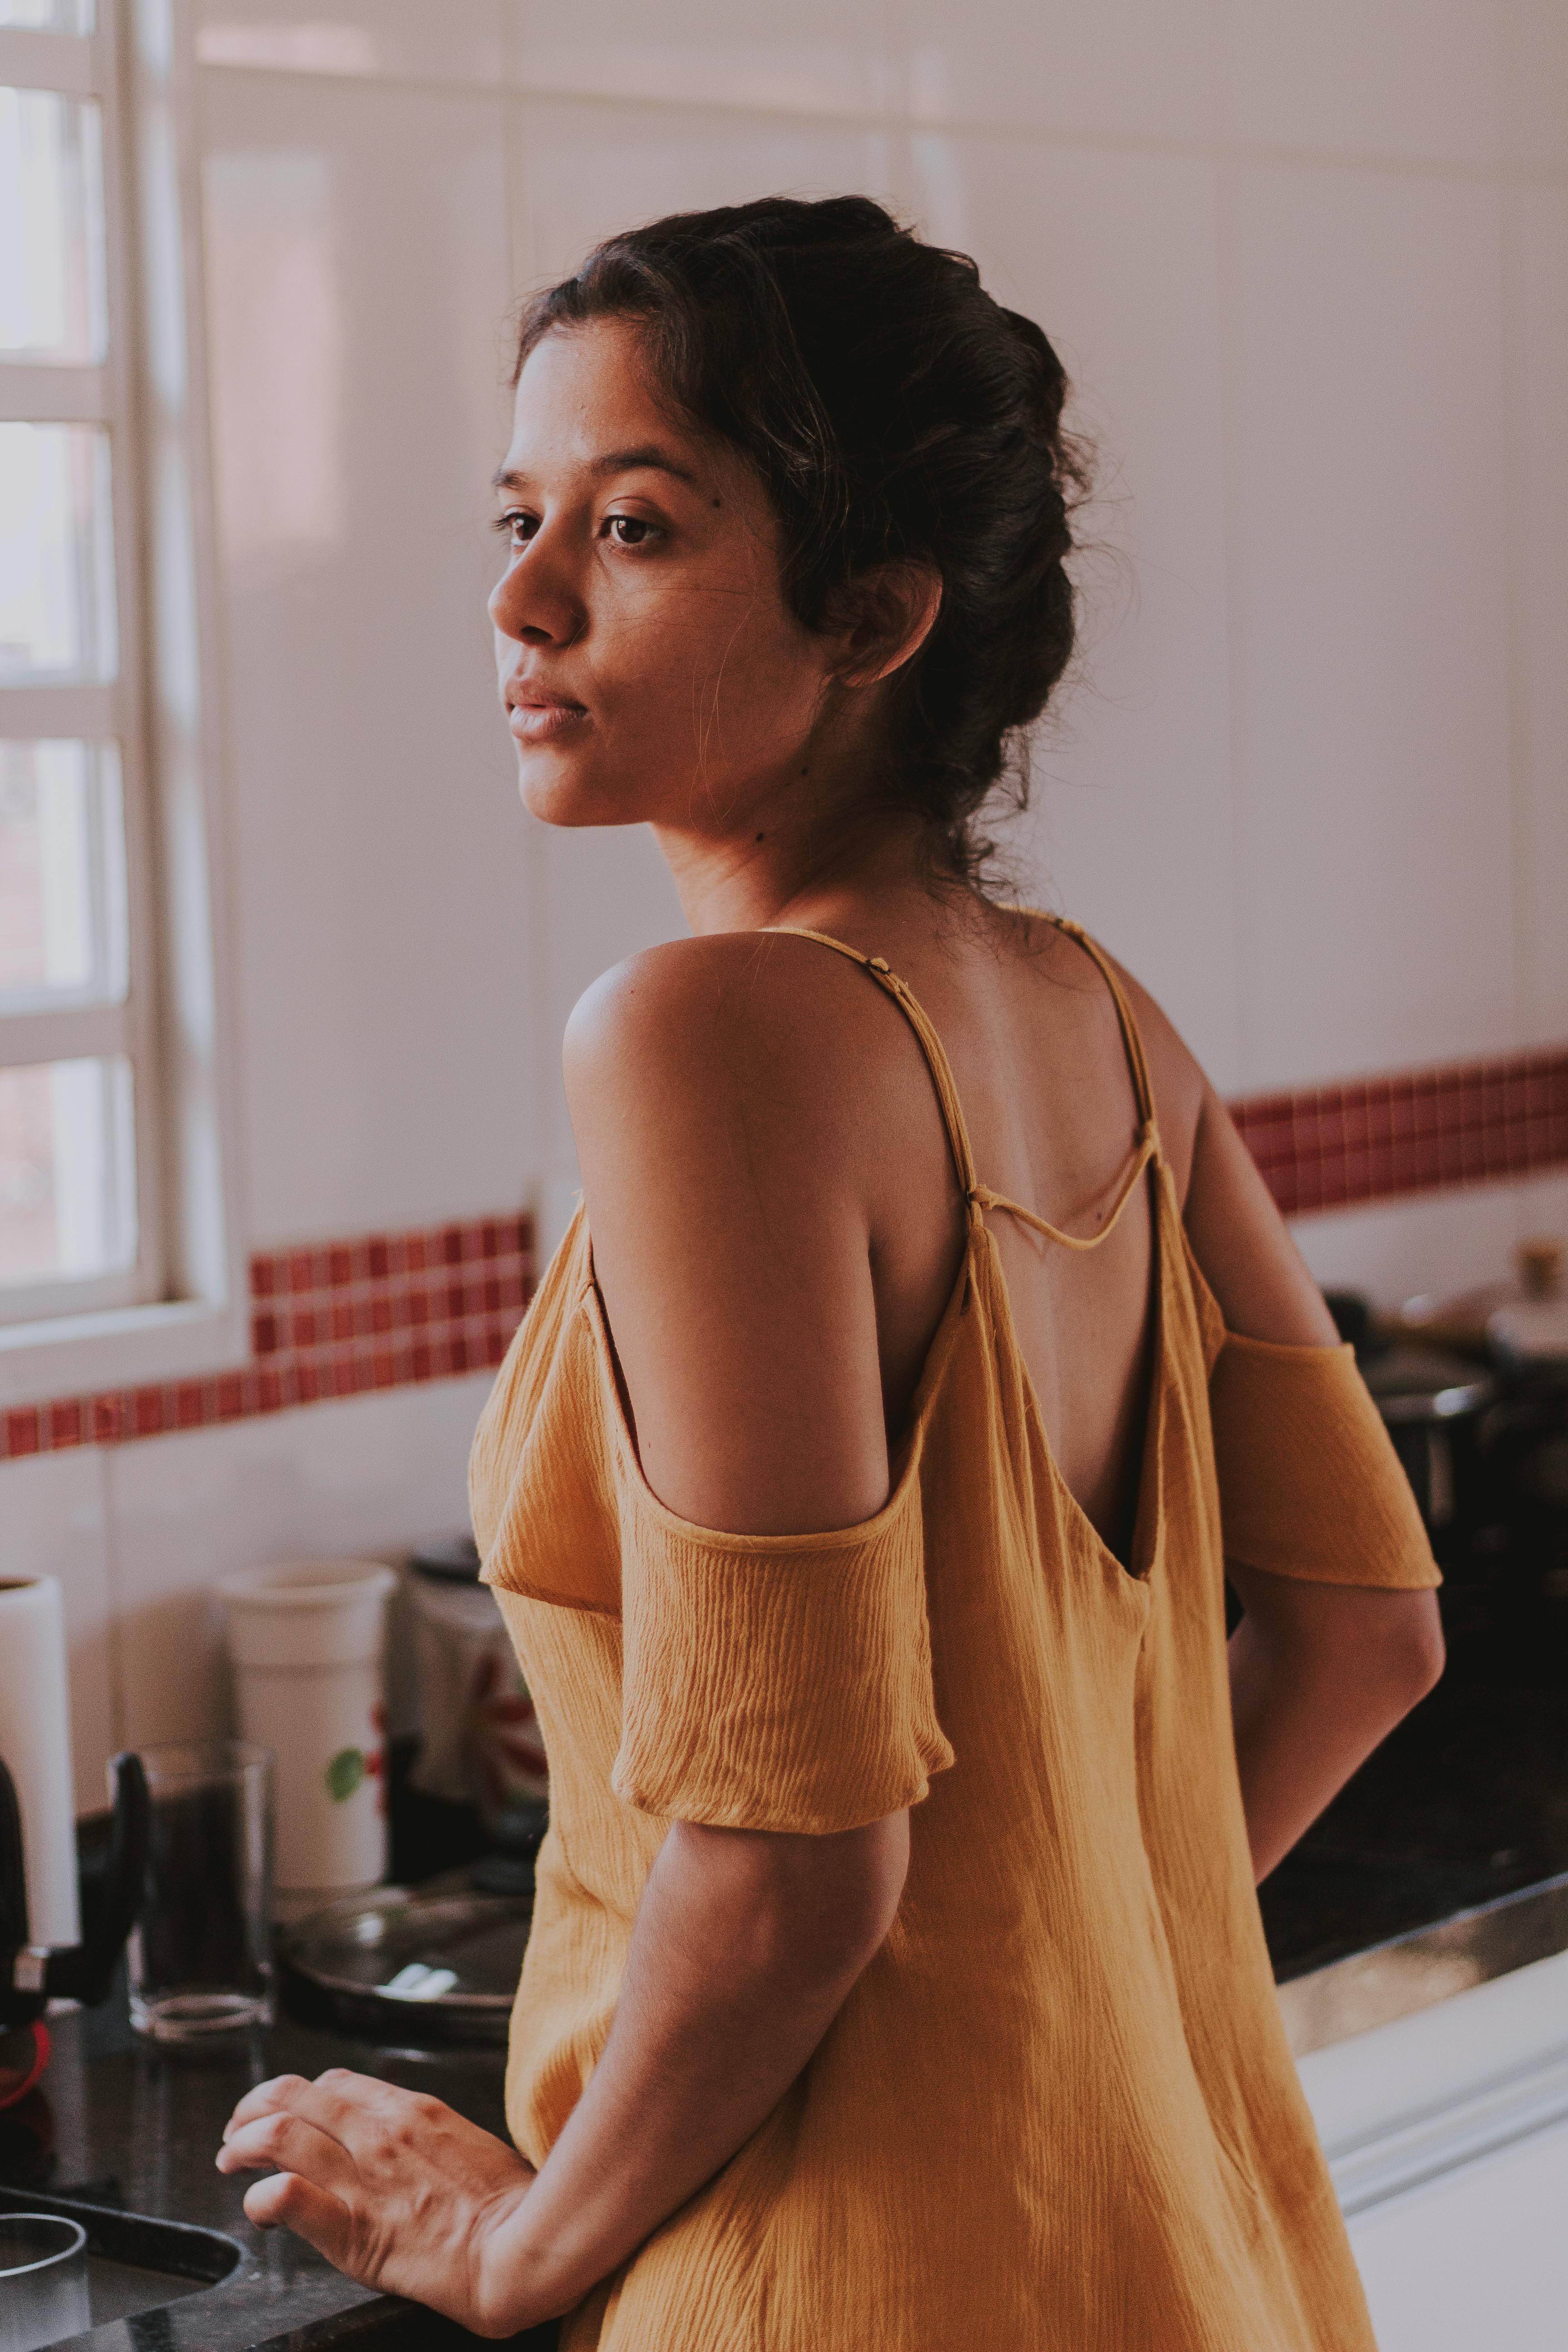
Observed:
{"x":395,"y":2189}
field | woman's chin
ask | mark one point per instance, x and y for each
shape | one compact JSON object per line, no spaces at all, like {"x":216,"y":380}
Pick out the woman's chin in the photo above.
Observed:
{"x":551,"y":791}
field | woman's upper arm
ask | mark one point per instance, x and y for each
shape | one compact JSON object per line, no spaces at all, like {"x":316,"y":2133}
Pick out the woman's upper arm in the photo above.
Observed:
{"x":730,"y":1248}
{"x":1257,"y":1273}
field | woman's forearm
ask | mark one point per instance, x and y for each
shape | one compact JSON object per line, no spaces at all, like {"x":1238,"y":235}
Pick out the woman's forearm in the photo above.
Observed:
{"x":745,"y":1949}
{"x":1318,"y":1677}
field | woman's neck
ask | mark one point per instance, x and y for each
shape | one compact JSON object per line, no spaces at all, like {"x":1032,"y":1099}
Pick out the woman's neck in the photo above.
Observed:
{"x":807,"y":861}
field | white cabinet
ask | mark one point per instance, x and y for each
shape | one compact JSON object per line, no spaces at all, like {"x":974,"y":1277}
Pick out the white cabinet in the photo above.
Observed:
{"x":1447,"y":2133}
{"x":1478,"y":2258}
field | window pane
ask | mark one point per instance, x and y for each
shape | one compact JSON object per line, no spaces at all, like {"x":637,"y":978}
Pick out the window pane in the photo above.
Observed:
{"x":57,"y":580}
{"x":67,"y":1183}
{"x":62,"y":873}
{"x":48,"y":16}
{"x":51,"y":181}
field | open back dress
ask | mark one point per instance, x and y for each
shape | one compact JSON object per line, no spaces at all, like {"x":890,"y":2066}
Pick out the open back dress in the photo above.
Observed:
{"x":1057,"y":2112}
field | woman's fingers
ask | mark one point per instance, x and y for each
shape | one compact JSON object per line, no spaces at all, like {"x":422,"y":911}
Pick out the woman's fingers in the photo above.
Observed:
{"x":293,"y":2144}
{"x":286,"y":2200}
{"x":358,"y":2108}
{"x":276,"y":2093}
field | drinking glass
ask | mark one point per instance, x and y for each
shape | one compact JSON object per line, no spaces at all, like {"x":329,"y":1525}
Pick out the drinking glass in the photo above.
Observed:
{"x":43,"y":2292}
{"x":199,"y":1956}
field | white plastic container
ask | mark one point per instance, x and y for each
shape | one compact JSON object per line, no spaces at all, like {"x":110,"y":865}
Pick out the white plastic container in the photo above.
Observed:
{"x":36,"y":1746}
{"x":479,"y":1737}
{"x":308,"y":1643}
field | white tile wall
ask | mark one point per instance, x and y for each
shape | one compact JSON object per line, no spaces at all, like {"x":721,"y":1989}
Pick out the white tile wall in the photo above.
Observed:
{"x":581,"y":170}
{"x":461,"y":41}
{"x":358,"y":275}
{"x":1534,"y":47}
{"x":1123,"y":69}
{"x":1538,"y":229}
{"x":1369,"y":600}
{"x":1436,"y":1244}
{"x":815,"y":57}
{"x":1393,"y":77}
{"x":369,"y":1477}
{"x":1131,"y":826}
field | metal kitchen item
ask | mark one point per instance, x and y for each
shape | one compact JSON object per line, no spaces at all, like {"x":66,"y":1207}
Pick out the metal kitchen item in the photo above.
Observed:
{"x":43,"y":2281}
{"x":308,"y":1643}
{"x":137,"y":2266}
{"x":479,"y":1737}
{"x":199,"y":1957}
{"x":1541,"y":1261}
{"x":429,"y":1965}
{"x":1429,"y":1401}
{"x":1462,"y":1321}
{"x":1530,"y":1338}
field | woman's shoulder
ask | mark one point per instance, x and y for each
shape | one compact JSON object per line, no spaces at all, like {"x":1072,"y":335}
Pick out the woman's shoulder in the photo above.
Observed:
{"x":717,"y":1023}
{"x":726,"y":1103}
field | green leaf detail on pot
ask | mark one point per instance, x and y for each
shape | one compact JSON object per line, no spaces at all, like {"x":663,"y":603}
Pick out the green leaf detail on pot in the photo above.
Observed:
{"x":345,"y":1773}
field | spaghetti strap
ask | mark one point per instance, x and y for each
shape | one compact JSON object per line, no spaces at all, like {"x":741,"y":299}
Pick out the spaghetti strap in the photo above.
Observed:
{"x":929,"y":1042}
{"x":1131,"y":1039}
{"x":980,"y":1197}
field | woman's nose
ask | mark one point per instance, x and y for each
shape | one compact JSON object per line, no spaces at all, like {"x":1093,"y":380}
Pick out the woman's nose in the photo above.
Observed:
{"x":532,"y":602}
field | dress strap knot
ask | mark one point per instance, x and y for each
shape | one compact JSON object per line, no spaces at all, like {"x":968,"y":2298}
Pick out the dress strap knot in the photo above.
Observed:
{"x":981,"y":1197}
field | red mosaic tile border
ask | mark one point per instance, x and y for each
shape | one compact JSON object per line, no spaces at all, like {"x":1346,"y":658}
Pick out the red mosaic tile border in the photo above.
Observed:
{"x":391,"y":1308}
{"x":1375,"y":1139}
{"x":332,"y":1322}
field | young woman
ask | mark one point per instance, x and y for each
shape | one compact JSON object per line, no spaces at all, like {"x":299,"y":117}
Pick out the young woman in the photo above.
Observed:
{"x":860,"y":1494}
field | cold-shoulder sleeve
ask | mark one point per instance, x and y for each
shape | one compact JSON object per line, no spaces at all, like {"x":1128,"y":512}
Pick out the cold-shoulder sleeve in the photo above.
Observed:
{"x":1310,"y":1484}
{"x":776,"y":1681}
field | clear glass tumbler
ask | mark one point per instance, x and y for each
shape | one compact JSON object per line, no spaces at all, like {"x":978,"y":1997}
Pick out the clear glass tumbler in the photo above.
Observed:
{"x":200,"y":1957}
{"x":44,"y":2291}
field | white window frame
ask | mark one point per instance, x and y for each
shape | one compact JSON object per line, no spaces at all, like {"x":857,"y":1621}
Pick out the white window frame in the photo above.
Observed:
{"x":181,"y":1309}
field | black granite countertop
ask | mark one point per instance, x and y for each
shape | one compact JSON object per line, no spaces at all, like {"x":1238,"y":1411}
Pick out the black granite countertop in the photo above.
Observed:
{"x":117,"y":2121}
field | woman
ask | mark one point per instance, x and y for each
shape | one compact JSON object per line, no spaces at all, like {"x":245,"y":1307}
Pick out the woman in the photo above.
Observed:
{"x":896,"y":1977}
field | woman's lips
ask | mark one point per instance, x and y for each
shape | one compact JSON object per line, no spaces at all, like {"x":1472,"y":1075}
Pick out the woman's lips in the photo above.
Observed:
{"x":541,"y":722}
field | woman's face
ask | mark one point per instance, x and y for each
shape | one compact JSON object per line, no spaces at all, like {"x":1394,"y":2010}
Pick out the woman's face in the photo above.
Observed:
{"x":649,"y":664}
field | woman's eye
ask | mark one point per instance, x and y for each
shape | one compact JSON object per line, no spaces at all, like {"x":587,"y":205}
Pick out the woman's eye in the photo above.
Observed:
{"x":518,"y":527}
{"x":630,"y":530}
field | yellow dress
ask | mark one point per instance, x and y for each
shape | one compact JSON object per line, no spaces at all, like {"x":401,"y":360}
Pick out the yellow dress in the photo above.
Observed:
{"x":1057,"y":2113}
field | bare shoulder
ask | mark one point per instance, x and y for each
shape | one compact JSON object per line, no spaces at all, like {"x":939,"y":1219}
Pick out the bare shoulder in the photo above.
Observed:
{"x":723,"y":1030}
{"x":718,"y":1088}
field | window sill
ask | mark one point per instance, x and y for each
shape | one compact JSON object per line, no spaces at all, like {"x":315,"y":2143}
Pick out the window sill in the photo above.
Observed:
{"x":121,"y":1347}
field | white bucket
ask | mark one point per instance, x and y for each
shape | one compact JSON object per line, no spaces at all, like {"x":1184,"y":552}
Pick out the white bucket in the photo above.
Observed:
{"x":308,"y":1642}
{"x":479,"y":1737}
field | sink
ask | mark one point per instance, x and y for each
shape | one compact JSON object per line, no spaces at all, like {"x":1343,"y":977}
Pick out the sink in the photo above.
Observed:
{"x":135,"y":2264}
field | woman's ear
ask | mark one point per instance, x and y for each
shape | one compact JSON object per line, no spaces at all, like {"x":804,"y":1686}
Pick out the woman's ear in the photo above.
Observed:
{"x":882,"y":619}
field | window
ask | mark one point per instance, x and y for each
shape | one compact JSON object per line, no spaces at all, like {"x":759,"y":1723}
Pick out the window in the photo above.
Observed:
{"x":79,"y":1204}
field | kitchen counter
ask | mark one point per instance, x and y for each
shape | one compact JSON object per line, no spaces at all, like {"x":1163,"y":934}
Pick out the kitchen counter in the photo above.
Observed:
{"x":1466,"y":1802}
{"x":117,"y":2121}
{"x":1442,"y":1866}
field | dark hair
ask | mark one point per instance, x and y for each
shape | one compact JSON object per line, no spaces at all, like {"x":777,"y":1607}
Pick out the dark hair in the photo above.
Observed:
{"x":893,"y":410}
